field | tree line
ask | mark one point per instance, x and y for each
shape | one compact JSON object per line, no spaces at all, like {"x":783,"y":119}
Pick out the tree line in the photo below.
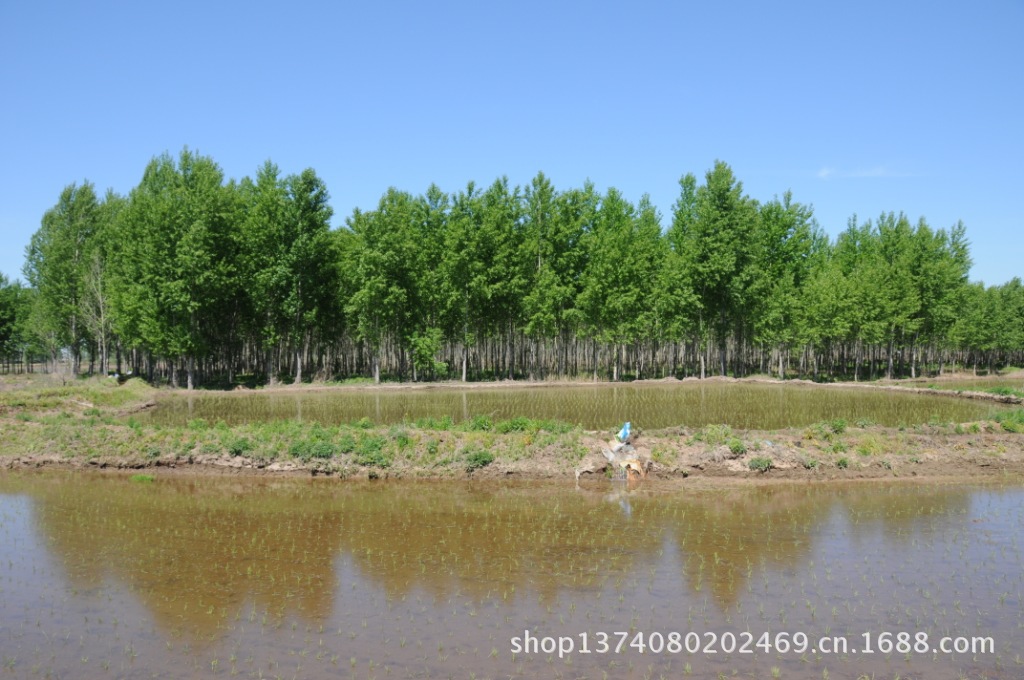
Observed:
{"x":196,"y":279}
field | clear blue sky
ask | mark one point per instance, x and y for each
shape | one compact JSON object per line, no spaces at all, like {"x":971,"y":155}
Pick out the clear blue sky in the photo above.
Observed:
{"x":858,"y":107}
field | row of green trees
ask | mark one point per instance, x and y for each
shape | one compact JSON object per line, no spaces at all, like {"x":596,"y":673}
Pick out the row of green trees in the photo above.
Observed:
{"x":193,"y":276}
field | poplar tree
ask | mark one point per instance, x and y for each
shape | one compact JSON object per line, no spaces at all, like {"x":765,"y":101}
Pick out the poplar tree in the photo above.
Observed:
{"x":55,"y":265}
{"x":177,"y":258}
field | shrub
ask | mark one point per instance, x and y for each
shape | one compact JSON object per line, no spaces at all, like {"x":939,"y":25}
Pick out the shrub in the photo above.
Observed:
{"x":306,"y":449}
{"x":1012,"y":421}
{"x":198,"y":424}
{"x":400,"y":437}
{"x":842,"y":463}
{"x":760,"y":464}
{"x":837,"y":447}
{"x":478,"y":458}
{"x":736,"y":446}
{"x":1006,"y":391}
{"x":660,"y":454}
{"x":239,"y":446}
{"x":428,"y":423}
{"x":346,"y":443}
{"x":713,"y":435}
{"x":321,"y":450}
{"x":870,"y":446}
{"x":519,"y":424}
{"x":522,"y":424}
{"x":370,"y":452}
{"x":479,"y":424}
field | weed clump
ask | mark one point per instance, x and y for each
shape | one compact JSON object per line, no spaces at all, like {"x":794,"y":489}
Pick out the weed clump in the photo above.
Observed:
{"x":308,"y":449}
{"x":837,"y":447}
{"x":1011,"y":421}
{"x":522,"y":424}
{"x":346,"y":443}
{"x":479,"y":424}
{"x":400,"y":437}
{"x":519,"y":424}
{"x":713,"y":435}
{"x":760,"y":464}
{"x":478,"y":458}
{"x":370,"y":452}
{"x":239,"y":446}
{"x":445,"y":423}
{"x":870,"y":446}
{"x":825,"y":429}
{"x":1005,"y":391}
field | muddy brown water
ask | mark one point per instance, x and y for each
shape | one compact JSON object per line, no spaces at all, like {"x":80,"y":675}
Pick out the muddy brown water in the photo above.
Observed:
{"x":689,"y":403}
{"x":104,"y":577}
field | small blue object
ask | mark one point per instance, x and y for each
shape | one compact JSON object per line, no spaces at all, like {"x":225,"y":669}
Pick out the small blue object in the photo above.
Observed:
{"x":623,"y":434}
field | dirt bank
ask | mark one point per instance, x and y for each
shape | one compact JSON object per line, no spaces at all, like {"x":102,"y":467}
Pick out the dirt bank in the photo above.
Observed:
{"x":980,"y":451}
{"x":88,"y":425}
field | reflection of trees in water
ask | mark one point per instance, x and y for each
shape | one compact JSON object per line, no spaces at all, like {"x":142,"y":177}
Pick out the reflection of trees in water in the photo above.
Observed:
{"x":899,"y":512}
{"x":195,"y":552}
{"x":902,"y":507}
{"x":725,"y":535}
{"x":490,"y":541}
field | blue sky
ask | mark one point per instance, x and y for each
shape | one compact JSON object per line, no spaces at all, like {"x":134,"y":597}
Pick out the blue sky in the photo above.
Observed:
{"x":856,"y":107}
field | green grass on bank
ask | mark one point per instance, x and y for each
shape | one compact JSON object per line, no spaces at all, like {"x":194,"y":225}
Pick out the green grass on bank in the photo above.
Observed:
{"x":1005,"y":391}
{"x":1012,"y":421}
{"x":85,"y":393}
{"x":93,"y":419}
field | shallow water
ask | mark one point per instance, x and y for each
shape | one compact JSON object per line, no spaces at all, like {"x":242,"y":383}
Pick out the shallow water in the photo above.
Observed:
{"x":1015,"y":382}
{"x":103,"y":577}
{"x":690,"y":403}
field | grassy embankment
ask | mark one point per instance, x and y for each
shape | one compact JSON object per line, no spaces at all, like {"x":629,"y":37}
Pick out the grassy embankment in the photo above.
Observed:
{"x":96,"y":423}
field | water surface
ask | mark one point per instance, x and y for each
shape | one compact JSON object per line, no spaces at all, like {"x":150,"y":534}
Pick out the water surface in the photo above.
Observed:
{"x":103,"y":577}
{"x":688,"y":403}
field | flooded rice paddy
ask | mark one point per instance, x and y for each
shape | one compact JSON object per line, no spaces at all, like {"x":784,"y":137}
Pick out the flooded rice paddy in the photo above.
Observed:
{"x":1012,"y":382}
{"x":105,"y":577}
{"x":689,"y":403}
